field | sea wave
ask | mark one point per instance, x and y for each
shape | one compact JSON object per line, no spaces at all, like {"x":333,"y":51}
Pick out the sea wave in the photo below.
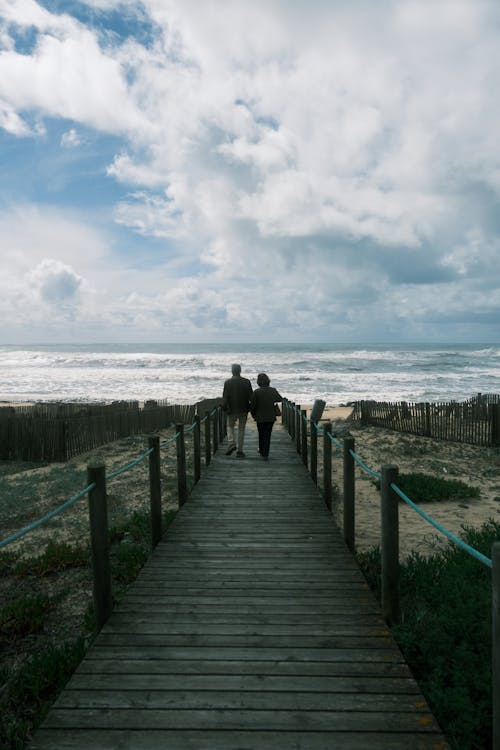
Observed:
{"x":186,"y":373}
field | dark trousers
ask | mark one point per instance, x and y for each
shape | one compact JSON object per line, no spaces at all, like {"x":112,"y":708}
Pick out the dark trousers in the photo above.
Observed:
{"x":265,"y":429}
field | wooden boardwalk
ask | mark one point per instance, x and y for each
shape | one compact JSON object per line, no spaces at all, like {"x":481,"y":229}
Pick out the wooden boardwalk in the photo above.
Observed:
{"x":250,"y":628}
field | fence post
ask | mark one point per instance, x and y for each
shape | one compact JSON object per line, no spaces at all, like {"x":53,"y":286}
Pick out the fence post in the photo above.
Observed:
{"x":314,"y":452}
{"x":155,"y":489}
{"x":63,"y":453}
{"x":495,"y":424}
{"x":208,"y":448}
{"x":327,"y":465}
{"x":292,"y":420}
{"x":349,"y":494}
{"x":495,"y":650}
{"x":181,"y":465}
{"x":390,"y":545}
{"x":197,"y":448}
{"x":101,"y":568}
{"x":427,"y":431}
{"x":298,"y":425}
{"x":303,"y":420}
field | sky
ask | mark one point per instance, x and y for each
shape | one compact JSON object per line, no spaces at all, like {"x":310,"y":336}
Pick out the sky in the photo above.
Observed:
{"x":249,"y":170}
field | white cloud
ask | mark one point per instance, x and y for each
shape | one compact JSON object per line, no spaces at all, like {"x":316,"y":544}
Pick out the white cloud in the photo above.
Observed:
{"x":56,"y":283}
{"x":292,"y":141}
{"x":71,"y":139}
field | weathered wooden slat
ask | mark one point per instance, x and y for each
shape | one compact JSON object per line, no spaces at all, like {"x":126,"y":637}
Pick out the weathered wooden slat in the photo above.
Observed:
{"x":145,"y":739}
{"x":229,"y":699}
{"x":135,"y":639}
{"x":247,"y":683}
{"x":249,"y":627}
{"x":301,"y":654}
{"x":123,"y":666}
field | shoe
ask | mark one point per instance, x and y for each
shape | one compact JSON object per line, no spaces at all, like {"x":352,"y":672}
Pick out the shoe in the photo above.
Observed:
{"x":240,"y":454}
{"x":230,"y":450}
{"x":265,"y":458}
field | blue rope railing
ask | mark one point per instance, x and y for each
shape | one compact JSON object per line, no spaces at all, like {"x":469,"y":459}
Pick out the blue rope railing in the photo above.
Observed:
{"x":455,"y":539}
{"x":439,"y":527}
{"x":67,"y":503}
{"x":35,"y":524}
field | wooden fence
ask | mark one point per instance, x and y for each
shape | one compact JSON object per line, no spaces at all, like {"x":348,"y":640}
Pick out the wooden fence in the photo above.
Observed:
{"x":476,"y":421}
{"x":58,"y":432}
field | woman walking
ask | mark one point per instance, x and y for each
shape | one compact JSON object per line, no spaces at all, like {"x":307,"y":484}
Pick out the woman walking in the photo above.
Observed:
{"x":262,"y":408}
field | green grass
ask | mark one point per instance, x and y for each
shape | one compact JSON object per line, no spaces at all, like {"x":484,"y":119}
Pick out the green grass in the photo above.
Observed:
{"x":26,"y":694}
{"x":57,"y":556}
{"x":426,"y":487}
{"x":445,"y":633}
{"x":24,"y":615}
{"x":131,"y":545}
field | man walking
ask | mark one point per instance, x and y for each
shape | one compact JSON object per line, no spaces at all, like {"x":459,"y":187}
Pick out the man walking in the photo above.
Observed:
{"x":236,"y":402}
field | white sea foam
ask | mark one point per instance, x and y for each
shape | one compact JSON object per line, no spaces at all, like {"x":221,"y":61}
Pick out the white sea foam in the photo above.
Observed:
{"x":186,"y":373}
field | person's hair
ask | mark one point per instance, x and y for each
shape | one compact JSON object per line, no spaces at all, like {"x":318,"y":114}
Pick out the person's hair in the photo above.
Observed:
{"x":236,"y":369}
{"x":262,"y":379}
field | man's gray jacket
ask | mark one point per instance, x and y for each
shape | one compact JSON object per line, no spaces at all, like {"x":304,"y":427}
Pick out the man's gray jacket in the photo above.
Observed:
{"x":237,"y":395}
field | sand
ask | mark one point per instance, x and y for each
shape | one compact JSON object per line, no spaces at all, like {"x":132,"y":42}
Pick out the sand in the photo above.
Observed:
{"x":477,"y":466}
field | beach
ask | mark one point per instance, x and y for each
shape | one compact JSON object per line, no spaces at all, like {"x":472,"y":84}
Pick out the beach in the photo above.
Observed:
{"x":477,"y":466}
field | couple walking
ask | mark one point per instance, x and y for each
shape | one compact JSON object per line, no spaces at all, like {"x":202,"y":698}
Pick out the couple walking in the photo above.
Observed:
{"x":238,"y":399}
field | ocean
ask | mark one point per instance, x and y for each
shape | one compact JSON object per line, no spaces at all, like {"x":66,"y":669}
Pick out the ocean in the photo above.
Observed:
{"x":185,"y":373}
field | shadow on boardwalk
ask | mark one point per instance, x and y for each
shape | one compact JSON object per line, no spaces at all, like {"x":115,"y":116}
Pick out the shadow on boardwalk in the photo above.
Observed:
{"x":250,"y":627}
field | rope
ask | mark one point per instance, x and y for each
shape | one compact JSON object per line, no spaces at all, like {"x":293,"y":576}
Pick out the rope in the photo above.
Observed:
{"x":170,"y":440}
{"x":334,"y":440}
{"x":130,"y":465}
{"x":366,"y":468}
{"x":455,"y":539}
{"x":47,"y":517}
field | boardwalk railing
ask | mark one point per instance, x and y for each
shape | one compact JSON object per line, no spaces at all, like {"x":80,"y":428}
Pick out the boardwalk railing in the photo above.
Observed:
{"x":214,"y":431}
{"x":476,"y":421}
{"x":305,"y":435}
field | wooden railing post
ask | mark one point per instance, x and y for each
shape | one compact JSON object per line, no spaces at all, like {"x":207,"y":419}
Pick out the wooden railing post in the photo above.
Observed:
{"x":495,"y":651}
{"x":99,"y":538}
{"x":155,"y":489}
{"x":181,"y":465}
{"x":303,"y":426}
{"x":292,"y":420}
{"x":327,"y":465}
{"x":215,"y":433}
{"x":208,"y":448}
{"x":220,"y":415}
{"x":314,"y":452}
{"x":298,"y":425}
{"x":390,"y":545}
{"x":349,"y":494}
{"x":197,"y":448}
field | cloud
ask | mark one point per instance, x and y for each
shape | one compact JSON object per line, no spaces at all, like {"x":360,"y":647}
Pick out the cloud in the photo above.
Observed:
{"x":71,"y":139}
{"x":301,"y":167}
{"x":57,"y":283}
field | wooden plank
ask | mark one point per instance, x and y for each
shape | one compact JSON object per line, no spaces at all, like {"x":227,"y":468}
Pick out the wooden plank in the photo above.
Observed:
{"x":303,"y":739}
{"x":249,"y":627}
{"x":234,"y":720}
{"x":246,"y":683}
{"x":123,"y":666}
